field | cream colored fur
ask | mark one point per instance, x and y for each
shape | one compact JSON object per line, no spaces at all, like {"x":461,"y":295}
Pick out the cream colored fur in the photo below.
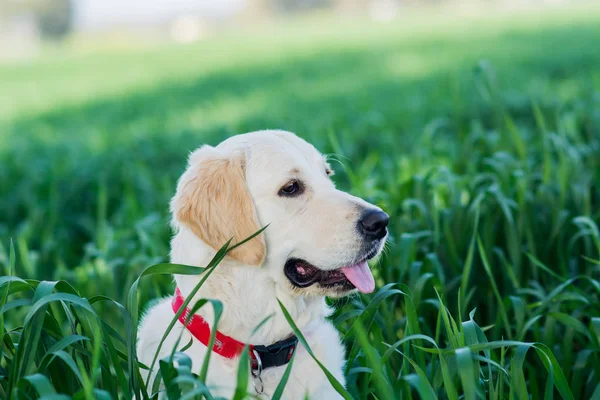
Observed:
{"x":230,"y":191}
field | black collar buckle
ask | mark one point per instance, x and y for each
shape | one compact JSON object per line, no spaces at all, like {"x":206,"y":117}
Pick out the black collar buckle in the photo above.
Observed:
{"x":276,"y":354}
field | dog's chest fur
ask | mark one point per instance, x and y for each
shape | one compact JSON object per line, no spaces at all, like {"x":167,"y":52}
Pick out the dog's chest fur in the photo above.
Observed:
{"x":306,"y":378}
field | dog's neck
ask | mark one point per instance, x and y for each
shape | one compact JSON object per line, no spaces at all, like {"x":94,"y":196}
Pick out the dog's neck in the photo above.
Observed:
{"x":248,"y":294}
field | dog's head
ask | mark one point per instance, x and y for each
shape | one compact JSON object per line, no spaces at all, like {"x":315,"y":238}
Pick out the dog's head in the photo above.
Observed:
{"x":319,"y":238}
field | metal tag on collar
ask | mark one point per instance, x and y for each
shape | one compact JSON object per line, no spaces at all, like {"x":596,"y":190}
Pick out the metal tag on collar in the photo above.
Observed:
{"x":257,"y":381}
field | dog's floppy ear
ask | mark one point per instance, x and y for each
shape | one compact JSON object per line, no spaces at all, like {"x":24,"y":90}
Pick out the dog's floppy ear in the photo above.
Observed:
{"x":212,"y":199}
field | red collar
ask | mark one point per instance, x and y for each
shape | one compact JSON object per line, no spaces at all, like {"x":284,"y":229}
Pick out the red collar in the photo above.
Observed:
{"x":228,"y":347}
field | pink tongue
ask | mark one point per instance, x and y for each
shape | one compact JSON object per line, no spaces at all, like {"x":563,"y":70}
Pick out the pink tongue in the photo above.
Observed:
{"x":360,"y":275}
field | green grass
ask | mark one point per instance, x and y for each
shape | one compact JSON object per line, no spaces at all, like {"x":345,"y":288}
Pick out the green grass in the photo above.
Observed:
{"x":479,"y":136}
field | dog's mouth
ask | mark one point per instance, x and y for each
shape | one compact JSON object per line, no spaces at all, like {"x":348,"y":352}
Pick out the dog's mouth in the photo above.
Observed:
{"x":303,"y":274}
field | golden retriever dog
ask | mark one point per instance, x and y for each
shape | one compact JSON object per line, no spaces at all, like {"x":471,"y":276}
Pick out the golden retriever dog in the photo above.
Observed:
{"x":317,"y":243}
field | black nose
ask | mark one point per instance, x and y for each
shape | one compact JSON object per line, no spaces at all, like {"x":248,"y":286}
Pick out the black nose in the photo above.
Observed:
{"x":373,"y":224}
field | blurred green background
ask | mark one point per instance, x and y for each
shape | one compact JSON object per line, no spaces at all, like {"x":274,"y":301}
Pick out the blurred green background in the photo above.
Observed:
{"x":461,"y":119}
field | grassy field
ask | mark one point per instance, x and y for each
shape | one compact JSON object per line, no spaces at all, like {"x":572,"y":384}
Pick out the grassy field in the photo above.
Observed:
{"x":479,"y":135}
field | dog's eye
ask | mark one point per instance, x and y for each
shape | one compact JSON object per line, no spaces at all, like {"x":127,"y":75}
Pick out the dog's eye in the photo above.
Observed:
{"x":292,"y":188}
